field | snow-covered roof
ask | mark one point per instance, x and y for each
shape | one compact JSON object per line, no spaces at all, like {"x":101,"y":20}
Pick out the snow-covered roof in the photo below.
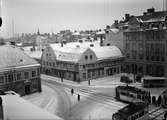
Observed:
{"x":76,"y":33}
{"x":114,"y":30}
{"x":73,"y":51}
{"x":68,"y":53}
{"x":11,"y":56}
{"x":33,"y":54}
{"x":100,"y":32}
{"x":16,"y":108}
{"x":107,"y":52}
{"x":155,"y":20}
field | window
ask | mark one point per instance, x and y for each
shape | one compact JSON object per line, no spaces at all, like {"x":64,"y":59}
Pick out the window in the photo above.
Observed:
{"x":84,"y":75}
{"x":108,"y":44}
{"x":33,"y":73}
{"x":26,"y":74}
{"x":86,"y":57}
{"x":147,"y":57}
{"x":89,"y":75}
{"x":162,"y":59}
{"x":18,"y":76}
{"x":141,"y":56}
{"x":127,"y":55}
{"x":90,"y":57}
{"x":157,"y":58}
{"x":10,"y":78}
{"x":134,"y":53}
{"x":127,"y":46}
{"x":69,"y":75}
{"x":98,"y":72}
{"x":1,"y":79}
{"x":93,"y":73}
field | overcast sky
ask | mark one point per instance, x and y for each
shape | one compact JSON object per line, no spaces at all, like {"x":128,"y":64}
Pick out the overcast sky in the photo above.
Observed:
{"x":54,"y":15}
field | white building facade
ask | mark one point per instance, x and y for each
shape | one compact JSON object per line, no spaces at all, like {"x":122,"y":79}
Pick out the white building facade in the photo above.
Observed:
{"x":81,"y":61}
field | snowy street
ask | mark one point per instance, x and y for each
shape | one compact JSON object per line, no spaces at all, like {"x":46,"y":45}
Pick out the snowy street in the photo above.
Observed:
{"x":96,"y":101}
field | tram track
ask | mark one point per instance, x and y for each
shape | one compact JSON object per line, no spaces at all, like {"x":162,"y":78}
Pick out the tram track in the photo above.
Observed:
{"x":108,"y":101}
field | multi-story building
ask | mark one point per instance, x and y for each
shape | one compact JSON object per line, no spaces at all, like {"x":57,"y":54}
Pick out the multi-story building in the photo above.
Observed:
{"x":18,"y":72}
{"x":144,"y":41}
{"x":145,"y":44}
{"x":81,"y":61}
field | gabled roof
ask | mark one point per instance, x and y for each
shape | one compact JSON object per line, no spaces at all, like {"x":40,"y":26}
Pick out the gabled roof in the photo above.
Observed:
{"x":67,"y":53}
{"x":11,"y":56}
{"x":72,"y":52}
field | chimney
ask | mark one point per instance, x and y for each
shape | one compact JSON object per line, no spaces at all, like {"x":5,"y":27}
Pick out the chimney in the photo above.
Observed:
{"x":144,"y":13}
{"x":107,"y":27}
{"x":127,"y":16}
{"x":116,"y":23}
{"x":151,"y":10}
{"x":101,"y":40}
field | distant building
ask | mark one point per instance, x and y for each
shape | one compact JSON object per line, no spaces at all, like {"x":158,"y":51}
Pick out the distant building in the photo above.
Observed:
{"x":135,"y":111}
{"x":81,"y":61}
{"x":18,"y":72}
{"x":41,"y":42}
{"x":144,"y":42}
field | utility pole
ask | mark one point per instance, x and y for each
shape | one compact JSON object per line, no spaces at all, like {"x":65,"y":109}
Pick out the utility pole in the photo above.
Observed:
{"x":88,"y":81}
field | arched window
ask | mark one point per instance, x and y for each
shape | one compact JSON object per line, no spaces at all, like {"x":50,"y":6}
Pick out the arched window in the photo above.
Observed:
{"x":86,"y":57}
{"x":91,"y":57}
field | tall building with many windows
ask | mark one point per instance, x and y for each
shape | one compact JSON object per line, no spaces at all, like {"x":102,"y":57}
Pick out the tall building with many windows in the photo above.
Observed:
{"x":144,"y":40}
{"x":145,"y":43}
{"x":81,"y":61}
{"x":18,"y":72}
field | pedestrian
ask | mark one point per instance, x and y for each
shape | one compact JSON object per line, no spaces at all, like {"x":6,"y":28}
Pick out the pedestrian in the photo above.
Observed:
{"x":72,"y":91}
{"x":61,"y":79}
{"x":78,"y":97}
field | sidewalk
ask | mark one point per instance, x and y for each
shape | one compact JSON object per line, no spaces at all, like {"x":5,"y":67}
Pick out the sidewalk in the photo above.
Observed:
{"x":99,"y":82}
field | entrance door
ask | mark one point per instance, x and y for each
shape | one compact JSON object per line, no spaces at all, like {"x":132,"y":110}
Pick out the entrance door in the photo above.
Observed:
{"x":27,"y":89}
{"x":74,"y":76}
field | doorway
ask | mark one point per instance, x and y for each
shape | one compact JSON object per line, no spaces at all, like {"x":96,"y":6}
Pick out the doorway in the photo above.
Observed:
{"x":27,"y":89}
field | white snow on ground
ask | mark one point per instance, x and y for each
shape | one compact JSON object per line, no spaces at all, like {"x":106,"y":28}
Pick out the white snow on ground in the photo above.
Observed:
{"x":47,"y":99}
{"x":16,"y":108}
{"x":86,"y":108}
